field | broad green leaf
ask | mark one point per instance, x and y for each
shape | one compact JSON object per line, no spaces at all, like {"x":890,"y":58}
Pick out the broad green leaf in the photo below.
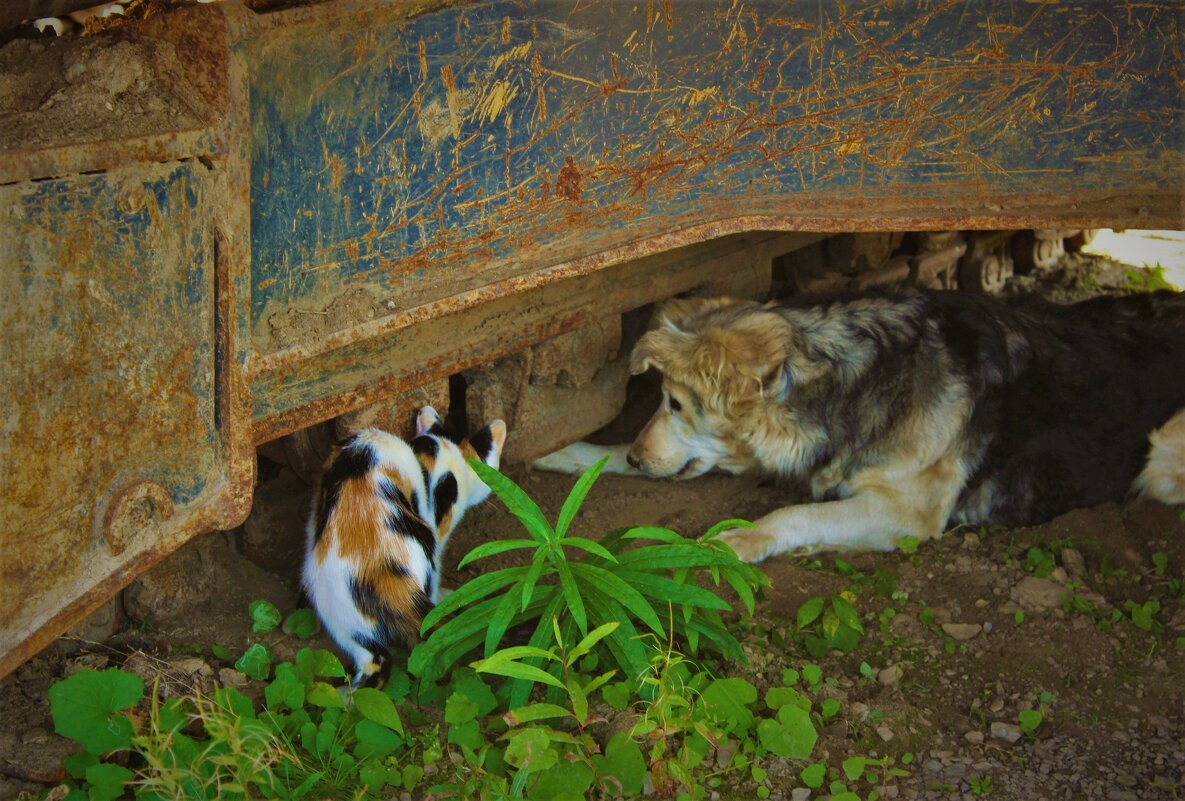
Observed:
{"x":809,"y":612}
{"x":829,"y":707}
{"x":1029,"y":720}
{"x":517,"y":502}
{"x":77,"y":763}
{"x":533,"y":712}
{"x":84,"y":708}
{"x":530,"y":749}
{"x":459,"y":709}
{"x":791,"y":735}
{"x":412,"y":775}
{"x":324,"y":695}
{"x":814,"y":775}
{"x":572,"y":594}
{"x":264,"y":616}
{"x":812,"y":673}
{"x":617,"y":695}
{"x":235,"y":702}
{"x":375,"y":740}
{"x":727,"y":702}
{"x":469,"y":592}
{"x":256,"y":662}
{"x":373,"y":705}
{"x":847,"y":613}
{"x":374,"y":776}
{"x":286,"y":689}
{"x":320,"y":662}
{"x":595,"y":548}
{"x":778,"y":697}
{"x":302,"y":624}
{"x":107,"y":781}
{"x":467,"y":734}
{"x":472,"y":686}
{"x":624,"y":762}
{"x":576,"y":497}
{"x":565,"y":781}
{"x":853,"y":767}
{"x":494,"y":548}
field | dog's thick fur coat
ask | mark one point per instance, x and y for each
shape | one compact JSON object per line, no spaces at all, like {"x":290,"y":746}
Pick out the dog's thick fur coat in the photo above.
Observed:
{"x":910,"y":411}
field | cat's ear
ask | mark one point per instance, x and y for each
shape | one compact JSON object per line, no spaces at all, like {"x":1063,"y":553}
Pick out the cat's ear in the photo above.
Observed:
{"x":488,"y":442}
{"x":426,"y":420}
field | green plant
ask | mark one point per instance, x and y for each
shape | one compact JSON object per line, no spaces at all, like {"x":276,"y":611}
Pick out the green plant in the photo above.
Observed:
{"x":981,"y":786}
{"x":1147,"y":279}
{"x":829,"y":623}
{"x":584,"y":584}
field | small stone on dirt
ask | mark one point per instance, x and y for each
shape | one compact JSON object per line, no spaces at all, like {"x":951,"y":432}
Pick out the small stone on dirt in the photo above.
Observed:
{"x":974,"y":737}
{"x":884,"y":732}
{"x":800,"y":794}
{"x":1074,"y":562}
{"x":962,"y":631}
{"x":890,"y":675}
{"x":229,"y":677}
{"x":1008,"y":732}
{"x":1037,"y":593}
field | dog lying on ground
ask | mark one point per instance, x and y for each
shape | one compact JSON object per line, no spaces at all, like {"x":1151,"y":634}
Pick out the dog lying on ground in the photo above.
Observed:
{"x":908,"y":412}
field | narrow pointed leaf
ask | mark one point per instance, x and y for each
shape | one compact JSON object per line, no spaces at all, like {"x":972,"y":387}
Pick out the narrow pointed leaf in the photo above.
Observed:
{"x":533,"y":712}
{"x":594,"y":637}
{"x":653,"y":533}
{"x":572,"y":594}
{"x":726,"y":525}
{"x":517,"y":670}
{"x":607,"y":583}
{"x":576,"y":496}
{"x":595,"y":548}
{"x":532,"y":577}
{"x":517,"y":502}
{"x":469,"y":592}
{"x":664,"y":589}
{"x":494,"y":548}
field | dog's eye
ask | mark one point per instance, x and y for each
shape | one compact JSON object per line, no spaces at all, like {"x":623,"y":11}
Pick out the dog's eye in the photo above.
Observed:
{"x":675,"y":405}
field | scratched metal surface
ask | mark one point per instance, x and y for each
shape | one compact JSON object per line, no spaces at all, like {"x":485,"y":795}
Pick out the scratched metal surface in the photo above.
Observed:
{"x":396,"y":162}
{"x":107,"y":368}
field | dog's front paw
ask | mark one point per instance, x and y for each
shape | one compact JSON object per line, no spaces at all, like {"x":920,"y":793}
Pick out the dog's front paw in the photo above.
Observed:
{"x":579,"y":456}
{"x":750,"y":544}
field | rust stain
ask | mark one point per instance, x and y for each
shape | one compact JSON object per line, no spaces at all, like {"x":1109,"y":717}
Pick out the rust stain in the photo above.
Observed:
{"x":569,"y":183}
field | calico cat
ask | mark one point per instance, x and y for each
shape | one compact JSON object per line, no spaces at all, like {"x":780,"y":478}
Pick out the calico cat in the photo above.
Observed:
{"x":381,"y":516}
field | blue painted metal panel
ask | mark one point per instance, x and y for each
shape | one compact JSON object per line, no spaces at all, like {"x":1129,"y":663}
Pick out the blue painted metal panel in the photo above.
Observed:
{"x":414,"y":159}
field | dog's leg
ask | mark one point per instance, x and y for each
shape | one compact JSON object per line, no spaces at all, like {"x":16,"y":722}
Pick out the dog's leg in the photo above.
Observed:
{"x":872,"y":521}
{"x":579,"y":456}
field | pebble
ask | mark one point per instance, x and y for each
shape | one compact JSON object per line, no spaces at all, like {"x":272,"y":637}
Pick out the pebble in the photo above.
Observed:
{"x":1037,"y":593}
{"x":971,"y":541}
{"x":884,"y":732}
{"x":800,"y":793}
{"x":1008,"y":732}
{"x":962,"y":631}
{"x":229,"y":677}
{"x":974,"y":737}
{"x":888,"y":677}
{"x":1072,"y":559}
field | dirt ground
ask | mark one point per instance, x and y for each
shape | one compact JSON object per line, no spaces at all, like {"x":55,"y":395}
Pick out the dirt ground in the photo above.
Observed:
{"x":945,"y":685}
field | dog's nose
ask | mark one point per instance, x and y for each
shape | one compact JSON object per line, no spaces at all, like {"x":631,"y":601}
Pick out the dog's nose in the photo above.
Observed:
{"x":633,"y":461}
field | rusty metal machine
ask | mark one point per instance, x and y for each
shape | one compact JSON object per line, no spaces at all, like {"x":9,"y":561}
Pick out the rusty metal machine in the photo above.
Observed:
{"x":262,"y":221}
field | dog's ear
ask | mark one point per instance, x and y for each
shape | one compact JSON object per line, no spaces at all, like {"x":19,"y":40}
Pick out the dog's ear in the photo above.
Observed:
{"x":661,"y":349}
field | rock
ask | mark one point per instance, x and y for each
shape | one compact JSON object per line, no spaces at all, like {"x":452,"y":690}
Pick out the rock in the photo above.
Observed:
{"x":229,"y":677}
{"x":884,"y":732}
{"x":177,"y":585}
{"x":800,"y":794}
{"x":962,"y":631}
{"x":859,"y":712}
{"x":1037,"y":593}
{"x":725,"y":753}
{"x":1074,"y":562}
{"x":102,"y":624}
{"x":1008,"y":732}
{"x":37,"y":756}
{"x":273,"y":534}
{"x":971,"y":541}
{"x":1059,"y":575}
{"x":888,"y":677}
{"x":974,"y":737}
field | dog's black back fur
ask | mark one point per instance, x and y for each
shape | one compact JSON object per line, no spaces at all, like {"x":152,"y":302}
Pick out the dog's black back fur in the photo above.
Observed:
{"x":1064,"y":396}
